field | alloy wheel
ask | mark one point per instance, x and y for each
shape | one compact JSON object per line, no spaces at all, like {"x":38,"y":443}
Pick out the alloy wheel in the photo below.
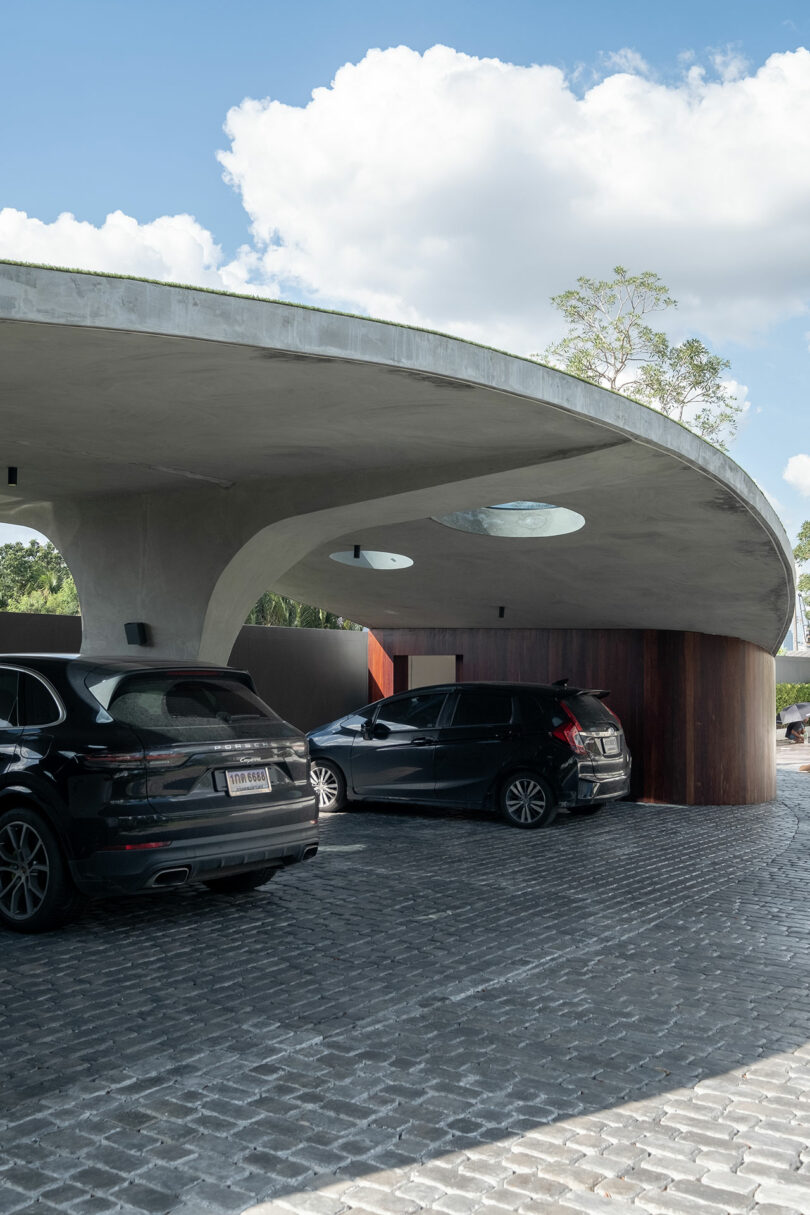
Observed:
{"x":525,"y":800}
{"x":326,"y":786}
{"x":24,"y":871}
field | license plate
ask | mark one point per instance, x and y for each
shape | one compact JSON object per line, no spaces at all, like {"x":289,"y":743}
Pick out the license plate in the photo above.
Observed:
{"x":247,"y":780}
{"x":611,"y":744}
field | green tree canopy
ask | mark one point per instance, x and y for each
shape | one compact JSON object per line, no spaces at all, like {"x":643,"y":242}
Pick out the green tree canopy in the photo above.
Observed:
{"x":801,"y":554}
{"x":611,"y":342}
{"x":34,"y":578}
{"x":276,"y":609}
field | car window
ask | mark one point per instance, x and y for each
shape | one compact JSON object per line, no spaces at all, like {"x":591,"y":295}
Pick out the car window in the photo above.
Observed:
{"x":39,"y":708}
{"x":539,"y":714}
{"x":177,"y":705}
{"x":9,"y":682}
{"x":483,"y":709}
{"x":590,"y":712}
{"x":418,"y":712}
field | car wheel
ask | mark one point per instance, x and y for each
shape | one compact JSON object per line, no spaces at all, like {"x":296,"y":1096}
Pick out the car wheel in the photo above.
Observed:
{"x":240,"y":883}
{"x":586,"y":809}
{"x":329,"y":784}
{"x":36,"y":892}
{"x":527,"y":801}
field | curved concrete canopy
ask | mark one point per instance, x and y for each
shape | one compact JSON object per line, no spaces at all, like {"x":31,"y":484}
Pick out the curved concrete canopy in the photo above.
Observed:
{"x":187,"y":450}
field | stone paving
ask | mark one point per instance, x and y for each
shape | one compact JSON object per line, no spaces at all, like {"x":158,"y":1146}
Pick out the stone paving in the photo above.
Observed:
{"x":439,"y":1013}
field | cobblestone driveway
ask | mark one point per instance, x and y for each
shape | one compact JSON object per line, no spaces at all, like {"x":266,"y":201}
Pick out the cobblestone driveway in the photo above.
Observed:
{"x":439,"y":1013}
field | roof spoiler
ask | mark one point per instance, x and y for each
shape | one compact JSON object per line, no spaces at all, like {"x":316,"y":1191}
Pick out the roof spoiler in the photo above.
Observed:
{"x":562,"y":686}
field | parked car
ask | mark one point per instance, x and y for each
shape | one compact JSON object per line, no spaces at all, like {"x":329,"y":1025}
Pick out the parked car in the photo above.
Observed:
{"x":118,"y":777}
{"x":523,"y":749}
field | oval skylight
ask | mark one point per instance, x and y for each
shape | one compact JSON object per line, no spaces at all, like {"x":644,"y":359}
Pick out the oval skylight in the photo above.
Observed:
{"x":370,"y":559}
{"x":516,"y":520}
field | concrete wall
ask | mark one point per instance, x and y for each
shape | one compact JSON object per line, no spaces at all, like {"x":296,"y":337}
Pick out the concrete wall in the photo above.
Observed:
{"x":309,"y":676}
{"x":793,"y":670}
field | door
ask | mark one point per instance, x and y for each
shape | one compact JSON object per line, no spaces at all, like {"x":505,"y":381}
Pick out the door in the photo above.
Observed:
{"x":480,"y":740}
{"x":9,"y":718}
{"x":394,"y":757}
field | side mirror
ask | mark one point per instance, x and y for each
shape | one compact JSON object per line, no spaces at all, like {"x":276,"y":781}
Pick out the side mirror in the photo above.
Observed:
{"x":380,"y":731}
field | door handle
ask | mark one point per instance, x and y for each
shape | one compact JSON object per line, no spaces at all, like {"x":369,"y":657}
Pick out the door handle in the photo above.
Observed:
{"x":420,"y":742}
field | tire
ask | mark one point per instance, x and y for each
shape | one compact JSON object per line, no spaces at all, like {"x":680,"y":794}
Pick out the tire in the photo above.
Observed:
{"x":587,"y":809}
{"x":526,"y":801}
{"x":241,"y":883}
{"x":36,"y":891}
{"x":329,"y":784}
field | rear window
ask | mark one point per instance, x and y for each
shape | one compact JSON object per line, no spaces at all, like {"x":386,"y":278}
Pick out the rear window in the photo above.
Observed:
{"x":542,"y":713}
{"x":589,"y":712}
{"x":174,"y":705}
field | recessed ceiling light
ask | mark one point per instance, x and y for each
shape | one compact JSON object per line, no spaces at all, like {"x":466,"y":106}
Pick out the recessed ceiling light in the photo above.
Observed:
{"x":369,"y":559}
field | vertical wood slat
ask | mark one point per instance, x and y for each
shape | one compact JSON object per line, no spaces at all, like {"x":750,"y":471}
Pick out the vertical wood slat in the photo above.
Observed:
{"x":698,"y":710}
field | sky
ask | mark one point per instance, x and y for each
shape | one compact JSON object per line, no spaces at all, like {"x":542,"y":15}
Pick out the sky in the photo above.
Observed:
{"x":446,"y":164}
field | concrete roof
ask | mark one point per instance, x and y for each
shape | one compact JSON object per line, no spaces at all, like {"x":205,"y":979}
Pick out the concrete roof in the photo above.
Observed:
{"x":345,"y":431}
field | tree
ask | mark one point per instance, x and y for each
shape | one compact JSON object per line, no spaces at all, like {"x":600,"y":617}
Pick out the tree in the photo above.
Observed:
{"x":610,"y":342}
{"x":34,"y":578}
{"x":801,"y":555}
{"x":277,"y":609}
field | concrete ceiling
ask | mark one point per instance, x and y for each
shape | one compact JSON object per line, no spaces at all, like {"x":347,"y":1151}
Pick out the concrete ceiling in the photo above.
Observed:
{"x":358,"y":432}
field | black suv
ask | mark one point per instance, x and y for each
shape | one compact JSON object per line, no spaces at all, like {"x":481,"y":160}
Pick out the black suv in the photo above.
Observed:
{"x":117,"y":777}
{"x":524,"y":749}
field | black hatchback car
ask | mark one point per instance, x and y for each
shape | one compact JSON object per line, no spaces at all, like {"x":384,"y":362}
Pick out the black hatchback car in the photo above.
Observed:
{"x":523,"y":749}
{"x":117,"y":777}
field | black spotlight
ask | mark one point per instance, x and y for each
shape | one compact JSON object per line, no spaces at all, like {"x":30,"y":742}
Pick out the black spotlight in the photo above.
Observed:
{"x":12,"y":474}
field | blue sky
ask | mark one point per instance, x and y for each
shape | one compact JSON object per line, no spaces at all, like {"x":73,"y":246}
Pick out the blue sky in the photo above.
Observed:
{"x":119,"y":107}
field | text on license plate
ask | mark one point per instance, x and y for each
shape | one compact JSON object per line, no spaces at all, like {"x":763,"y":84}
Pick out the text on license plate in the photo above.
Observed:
{"x":248,"y":780}
{"x":611,"y":744}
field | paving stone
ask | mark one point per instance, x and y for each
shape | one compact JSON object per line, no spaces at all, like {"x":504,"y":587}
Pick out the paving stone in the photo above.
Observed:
{"x":651,"y":1031}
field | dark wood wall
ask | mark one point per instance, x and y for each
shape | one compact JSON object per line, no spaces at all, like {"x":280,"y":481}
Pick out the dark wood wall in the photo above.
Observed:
{"x":698,"y":710}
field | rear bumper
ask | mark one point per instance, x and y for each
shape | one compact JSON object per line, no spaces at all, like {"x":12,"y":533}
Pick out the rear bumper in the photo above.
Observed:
{"x":587,"y":785}
{"x":127,"y":872}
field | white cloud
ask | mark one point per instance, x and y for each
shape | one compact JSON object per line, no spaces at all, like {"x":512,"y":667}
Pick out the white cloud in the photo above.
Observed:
{"x":174,"y":247}
{"x":461,"y":193}
{"x":797,"y":474}
{"x":628,"y":60}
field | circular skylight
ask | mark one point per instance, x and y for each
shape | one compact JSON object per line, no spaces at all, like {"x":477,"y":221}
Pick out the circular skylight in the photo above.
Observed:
{"x":369,"y":559}
{"x":515,"y":520}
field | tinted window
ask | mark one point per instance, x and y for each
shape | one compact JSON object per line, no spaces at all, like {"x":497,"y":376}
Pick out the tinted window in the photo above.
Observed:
{"x":38,"y":705}
{"x":483,"y":709}
{"x":590,"y":712}
{"x":539,"y":714}
{"x":175,"y":706}
{"x":417,"y":712}
{"x":8,"y":698}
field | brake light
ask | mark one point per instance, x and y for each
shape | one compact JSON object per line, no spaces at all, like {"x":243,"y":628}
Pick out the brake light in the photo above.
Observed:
{"x":570,"y":732}
{"x":134,"y":759}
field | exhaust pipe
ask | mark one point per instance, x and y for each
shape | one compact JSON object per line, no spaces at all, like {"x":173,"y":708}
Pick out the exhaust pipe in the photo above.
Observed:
{"x":310,"y":852}
{"x":171,"y":877}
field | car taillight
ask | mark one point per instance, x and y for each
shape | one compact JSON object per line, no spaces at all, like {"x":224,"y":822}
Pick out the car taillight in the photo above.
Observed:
{"x":133,"y":759}
{"x":570,"y":731}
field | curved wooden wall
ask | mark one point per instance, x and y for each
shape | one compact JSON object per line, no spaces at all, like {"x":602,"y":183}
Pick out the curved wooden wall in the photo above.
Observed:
{"x":698,"y":710}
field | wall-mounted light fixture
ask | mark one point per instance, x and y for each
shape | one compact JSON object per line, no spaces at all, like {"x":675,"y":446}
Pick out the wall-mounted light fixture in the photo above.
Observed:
{"x":137,"y":633}
{"x":12,"y":474}
{"x":501,"y":613}
{"x":357,"y":552}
